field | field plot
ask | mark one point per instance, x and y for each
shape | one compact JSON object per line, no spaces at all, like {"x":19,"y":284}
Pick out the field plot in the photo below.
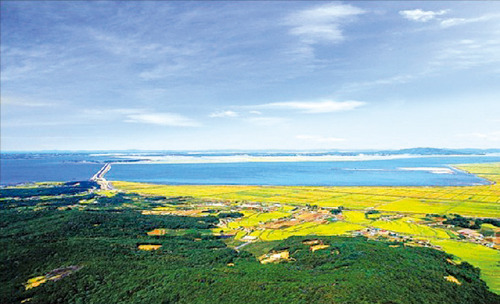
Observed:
{"x":408,"y":226}
{"x":486,"y":259}
{"x":339,"y":228}
{"x":477,"y":209}
{"x":253,"y":219}
{"x":356,"y":217}
{"x":412,"y":205}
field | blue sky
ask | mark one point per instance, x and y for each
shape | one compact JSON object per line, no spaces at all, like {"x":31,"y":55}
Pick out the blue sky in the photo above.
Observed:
{"x":249,"y":75}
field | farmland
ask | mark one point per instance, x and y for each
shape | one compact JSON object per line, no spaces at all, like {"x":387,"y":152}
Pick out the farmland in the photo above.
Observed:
{"x":202,"y":239}
{"x":476,"y":201}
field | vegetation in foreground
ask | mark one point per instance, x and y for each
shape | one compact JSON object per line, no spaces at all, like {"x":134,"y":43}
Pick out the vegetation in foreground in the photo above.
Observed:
{"x":99,"y":253}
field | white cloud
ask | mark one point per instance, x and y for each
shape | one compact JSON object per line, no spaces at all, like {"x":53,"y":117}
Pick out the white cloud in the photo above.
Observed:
{"x":321,"y":23}
{"x":319,"y":139}
{"x":137,"y":115}
{"x":222,"y":114}
{"x":327,"y":106}
{"x":107,"y":114}
{"x":421,"y":15}
{"x":458,"y":21}
{"x":162,"y":119}
{"x":255,"y":112}
{"x":397,"y":79}
{"x":452,"y":22}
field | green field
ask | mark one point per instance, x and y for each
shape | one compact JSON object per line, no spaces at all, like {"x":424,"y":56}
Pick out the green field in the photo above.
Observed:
{"x":486,"y":259}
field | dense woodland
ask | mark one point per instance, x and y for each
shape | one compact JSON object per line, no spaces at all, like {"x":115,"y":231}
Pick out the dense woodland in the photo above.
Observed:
{"x":467,"y":222}
{"x":197,"y":267}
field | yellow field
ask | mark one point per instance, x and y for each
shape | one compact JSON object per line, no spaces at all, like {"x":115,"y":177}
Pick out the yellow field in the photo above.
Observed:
{"x":148,"y":247}
{"x":310,"y":228}
{"x":35,"y":282}
{"x":408,"y":226}
{"x":253,"y":218}
{"x":357,"y":217}
{"x":485,"y":258}
{"x":479,"y":201}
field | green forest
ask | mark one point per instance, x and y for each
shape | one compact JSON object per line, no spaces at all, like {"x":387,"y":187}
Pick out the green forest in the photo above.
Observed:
{"x":100,"y":246}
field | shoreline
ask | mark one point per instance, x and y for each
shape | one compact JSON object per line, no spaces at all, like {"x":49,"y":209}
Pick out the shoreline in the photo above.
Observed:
{"x":248,"y":158}
{"x":457,"y":167}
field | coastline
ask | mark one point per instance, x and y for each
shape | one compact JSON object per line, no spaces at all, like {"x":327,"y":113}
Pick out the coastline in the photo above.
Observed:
{"x":248,"y":158}
{"x":457,"y":167}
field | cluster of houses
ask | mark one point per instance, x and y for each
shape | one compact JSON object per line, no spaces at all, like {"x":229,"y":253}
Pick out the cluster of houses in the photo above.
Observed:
{"x":375,"y":233}
{"x":469,"y":234}
{"x":476,"y":237}
{"x":322,"y":215}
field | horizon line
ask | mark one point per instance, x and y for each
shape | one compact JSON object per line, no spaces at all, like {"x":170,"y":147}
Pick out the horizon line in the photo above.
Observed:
{"x":245,"y":150}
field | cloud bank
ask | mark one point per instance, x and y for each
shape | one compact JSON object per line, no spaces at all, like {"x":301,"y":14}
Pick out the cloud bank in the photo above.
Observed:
{"x":223,"y":114}
{"x":321,"y":24}
{"x":327,"y":106}
{"x":421,"y":15}
{"x":162,"y":119}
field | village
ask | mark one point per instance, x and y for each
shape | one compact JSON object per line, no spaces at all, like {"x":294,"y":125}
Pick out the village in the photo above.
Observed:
{"x":264,"y":222}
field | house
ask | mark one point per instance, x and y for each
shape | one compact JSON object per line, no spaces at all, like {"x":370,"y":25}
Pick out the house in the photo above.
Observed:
{"x":470,"y":233}
{"x":249,"y":238}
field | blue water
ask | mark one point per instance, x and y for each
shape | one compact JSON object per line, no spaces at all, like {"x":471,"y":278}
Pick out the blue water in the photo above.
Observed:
{"x":46,"y":168}
{"x":70,"y":167}
{"x":346,"y":173}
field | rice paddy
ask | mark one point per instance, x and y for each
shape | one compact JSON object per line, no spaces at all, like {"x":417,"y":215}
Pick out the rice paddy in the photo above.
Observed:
{"x":308,"y":228}
{"x":408,"y":226}
{"x":148,"y":247}
{"x":254,"y":218}
{"x":487,"y":259}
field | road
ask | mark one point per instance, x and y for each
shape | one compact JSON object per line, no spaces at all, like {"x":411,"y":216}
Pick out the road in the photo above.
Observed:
{"x":99,"y":177}
{"x":237,"y":248}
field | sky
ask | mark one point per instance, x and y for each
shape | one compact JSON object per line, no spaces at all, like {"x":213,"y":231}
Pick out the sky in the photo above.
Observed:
{"x":200,"y":75}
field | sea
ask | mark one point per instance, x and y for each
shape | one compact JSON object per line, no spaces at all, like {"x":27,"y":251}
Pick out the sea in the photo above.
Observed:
{"x":287,"y":169}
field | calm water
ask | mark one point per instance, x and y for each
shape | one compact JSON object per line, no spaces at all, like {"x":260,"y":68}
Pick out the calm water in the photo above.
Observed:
{"x":15,"y":169}
{"x":69,"y":167}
